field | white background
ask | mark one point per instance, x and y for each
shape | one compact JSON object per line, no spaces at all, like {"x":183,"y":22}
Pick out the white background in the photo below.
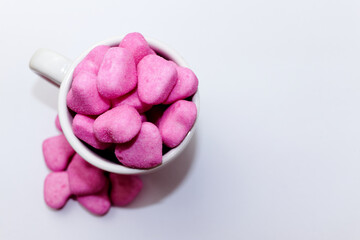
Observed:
{"x":277,"y":150}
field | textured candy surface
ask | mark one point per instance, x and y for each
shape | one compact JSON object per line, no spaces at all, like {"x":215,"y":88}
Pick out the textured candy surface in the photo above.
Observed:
{"x":176,"y":122}
{"x":156,"y":78}
{"x":118,"y":125}
{"x":83,"y":129}
{"x":117,"y":74}
{"x":124,"y":188}
{"x":137,"y":45}
{"x":185,"y":86}
{"x":132,"y":99}
{"x":98,"y":204}
{"x":56,"y":189}
{"x":84,"y":178}
{"x":91,"y":63}
{"x":84,"y":97}
{"x":144,"y":151}
{"x":57,"y":152}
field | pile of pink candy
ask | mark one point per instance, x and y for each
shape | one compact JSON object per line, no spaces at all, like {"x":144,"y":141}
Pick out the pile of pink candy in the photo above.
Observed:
{"x":72,"y":176}
{"x":128,"y":101}
{"x":114,"y":92}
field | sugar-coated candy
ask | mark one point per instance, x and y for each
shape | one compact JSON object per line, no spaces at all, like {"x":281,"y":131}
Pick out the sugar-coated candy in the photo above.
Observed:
{"x":124,"y":188}
{"x":99,"y":203}
{"x":118,"y":125}
{"x":57,"y":152}
{"x":130,"y":102}
{"x":84,"y":178}
{"x":56,"y":189}
{"x":156,"y":78}
{"x":57,"y":123}
{"x":144,"y":151}
{"x":117,"y":73}
{"x":84,"y":97}
{"x":83,"y":129}
{"x":137,"y":45}
{"x":132,"y":99}
{"x":91,"y":63}
{"x":176,"y":122}
{"x":186,"y":85}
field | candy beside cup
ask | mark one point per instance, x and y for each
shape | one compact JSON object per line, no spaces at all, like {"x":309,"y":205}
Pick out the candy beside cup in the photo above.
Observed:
{"x":60,"y":69}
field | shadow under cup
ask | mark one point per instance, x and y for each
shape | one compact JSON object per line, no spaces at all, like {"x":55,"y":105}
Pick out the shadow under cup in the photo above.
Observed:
{"x":98,"y":158}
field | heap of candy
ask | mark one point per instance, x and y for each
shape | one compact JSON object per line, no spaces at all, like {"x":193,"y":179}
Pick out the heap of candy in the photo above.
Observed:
{"x":115,"y":90}
{"x":92,"y":187}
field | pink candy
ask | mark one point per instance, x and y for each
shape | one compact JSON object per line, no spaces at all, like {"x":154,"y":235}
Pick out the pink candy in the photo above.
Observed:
{"x":117,"y":125}
{"x":137,"y":45}
{"x":57,"y":152}
{"x":132,"y":99}
{"x":124,"y":189}
{"x":117,"y":91}
{"x":156,"y":78}
{"x":121,"y":98}
{"x":145,"y":151}
{"x":84,"y":97}
{"x":186,"y":85}
{"x":176,"y":122}
{"x":56,"y":189}
{"x":91,"y":63}
{"x":117,"y":73}
{"x":83,"y":129}
{"x":85,"y":179}
{"x":90,"y":186}
{"x":98,"y":204}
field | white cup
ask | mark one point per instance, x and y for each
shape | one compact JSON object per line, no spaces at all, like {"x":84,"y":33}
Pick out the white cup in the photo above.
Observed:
{"x":59,"y":70}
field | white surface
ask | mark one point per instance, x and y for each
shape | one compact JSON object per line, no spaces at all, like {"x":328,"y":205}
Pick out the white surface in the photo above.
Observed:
{"x":277,"y":149}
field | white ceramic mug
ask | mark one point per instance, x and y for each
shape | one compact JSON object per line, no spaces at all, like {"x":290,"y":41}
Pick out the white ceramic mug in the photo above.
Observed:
{"x":59,"y":70}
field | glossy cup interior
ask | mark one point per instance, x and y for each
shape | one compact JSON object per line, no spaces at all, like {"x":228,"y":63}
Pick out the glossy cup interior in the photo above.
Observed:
{"x":88,"y":154}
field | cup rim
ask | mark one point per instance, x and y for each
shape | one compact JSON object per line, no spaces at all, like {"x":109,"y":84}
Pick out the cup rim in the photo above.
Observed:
{"x":88,"y":155}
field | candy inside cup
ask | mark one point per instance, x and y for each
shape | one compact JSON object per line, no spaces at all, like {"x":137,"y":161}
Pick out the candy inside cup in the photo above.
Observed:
{"x":97,"y":158}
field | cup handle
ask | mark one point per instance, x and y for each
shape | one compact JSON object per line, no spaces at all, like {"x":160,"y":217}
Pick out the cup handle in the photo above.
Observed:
{"x":50,"y":65}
